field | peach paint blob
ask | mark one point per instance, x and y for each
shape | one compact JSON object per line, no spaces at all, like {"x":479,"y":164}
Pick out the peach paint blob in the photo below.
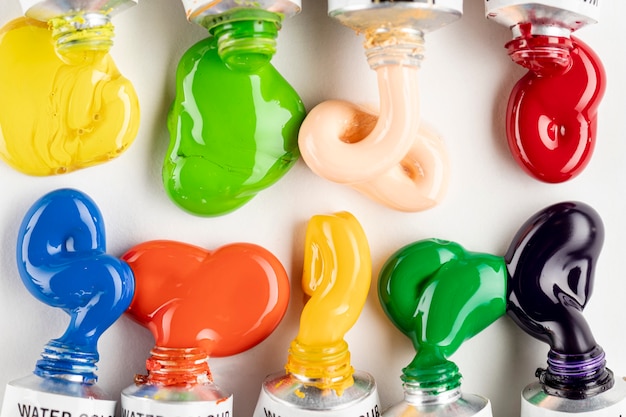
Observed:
{"x":223,"y":301}
{"x":57,"y":117}
{"x":392,"y":158}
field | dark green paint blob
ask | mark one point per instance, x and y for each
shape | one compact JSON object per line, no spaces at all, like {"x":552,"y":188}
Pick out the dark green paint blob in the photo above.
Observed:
{"x":439,"y":295}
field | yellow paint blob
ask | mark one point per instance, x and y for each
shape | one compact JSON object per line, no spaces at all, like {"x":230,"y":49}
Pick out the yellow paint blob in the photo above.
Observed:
{"x":59,"y":115}
{"x":337,"y":274}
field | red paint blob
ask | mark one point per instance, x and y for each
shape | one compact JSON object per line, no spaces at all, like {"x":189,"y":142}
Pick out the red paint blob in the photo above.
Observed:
{"x":224,"y":301}
{"x":552,"y":112}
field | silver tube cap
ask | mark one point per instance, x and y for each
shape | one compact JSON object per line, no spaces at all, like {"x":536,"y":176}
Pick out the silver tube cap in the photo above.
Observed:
{"x":197,"y":10}
{"x":546,"y":17}
{"x":423,"y":15}
{"x":45,"y":10}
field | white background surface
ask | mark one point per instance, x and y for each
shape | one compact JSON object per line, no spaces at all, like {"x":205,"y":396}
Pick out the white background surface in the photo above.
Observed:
{"x":465,"y":81}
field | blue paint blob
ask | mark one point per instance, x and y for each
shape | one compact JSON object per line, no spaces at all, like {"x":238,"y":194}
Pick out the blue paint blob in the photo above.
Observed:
{"x":62,"y":260}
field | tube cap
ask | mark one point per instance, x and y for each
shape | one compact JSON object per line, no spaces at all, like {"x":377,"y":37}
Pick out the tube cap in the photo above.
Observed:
{"x":423,"y":15}
{"x":196,"y":10}
{"x":44,"y":10}
{"x":566,"y":14}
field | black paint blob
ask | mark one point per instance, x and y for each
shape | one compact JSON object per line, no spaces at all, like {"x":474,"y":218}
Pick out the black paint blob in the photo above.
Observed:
{"x":551,"y":264}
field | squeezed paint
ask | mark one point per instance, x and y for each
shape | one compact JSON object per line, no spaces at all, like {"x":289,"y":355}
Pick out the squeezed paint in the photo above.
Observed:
{"x":59,"y":115}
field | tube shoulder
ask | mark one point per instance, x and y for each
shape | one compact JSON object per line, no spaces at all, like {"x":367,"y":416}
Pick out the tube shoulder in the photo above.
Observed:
{"x":467,"y":405}
{"x":534,"y":398}
{"x":287,"y":390}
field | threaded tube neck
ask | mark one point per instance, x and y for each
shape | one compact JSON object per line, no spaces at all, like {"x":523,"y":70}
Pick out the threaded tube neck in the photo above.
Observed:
{"x":246,"y":38}
{"x":74,"y":34}
{"x":544,"y":55}
{"x":176,"y":367}
{"x":416,"y":394}
{"x":394,"y":46}
{"x":62,"y":361}
{"x":432,"y":384}
{"x":326,"y":367}
{"x":576,"y":376}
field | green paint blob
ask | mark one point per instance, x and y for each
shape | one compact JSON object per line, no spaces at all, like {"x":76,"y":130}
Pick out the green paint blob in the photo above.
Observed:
{"x":233,"y":128}
{"x":439,"y":295}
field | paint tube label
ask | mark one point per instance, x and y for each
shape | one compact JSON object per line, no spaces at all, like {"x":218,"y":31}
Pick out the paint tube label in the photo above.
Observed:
{"x":25,"y":402}
{"x":141,"y":407}
{"x":586,"y":8}
{"x":270,"y":406}
{"x":452,"y":5}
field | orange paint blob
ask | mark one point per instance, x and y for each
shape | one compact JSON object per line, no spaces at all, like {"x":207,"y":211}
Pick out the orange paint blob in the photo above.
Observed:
{"x":224,"y":301}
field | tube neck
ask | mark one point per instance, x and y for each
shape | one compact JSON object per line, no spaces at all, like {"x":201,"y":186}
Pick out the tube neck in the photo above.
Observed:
{"x":437,"y":384}
{"x":246,"y":37}
{"x":545,"y":50}
{"x":75,"y":34}
{"x":576,"y":376}
{"x":394,"y":46}
{"x":326,"y":367}
{"x":62,"y":361}
{"x":419,"y":396}
{"x":176,"y":367}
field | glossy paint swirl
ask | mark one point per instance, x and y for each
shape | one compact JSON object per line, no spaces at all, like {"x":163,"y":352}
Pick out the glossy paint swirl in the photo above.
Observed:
{"x":439,"y":295}
{"x":223,"y":301}
{"x":552,"y":116}
{"x":232,"y":133}
{"x":337,"y":275}
{"x":57,"y":117}
{"x":551,"y":264}
{"x":62,"y":260}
